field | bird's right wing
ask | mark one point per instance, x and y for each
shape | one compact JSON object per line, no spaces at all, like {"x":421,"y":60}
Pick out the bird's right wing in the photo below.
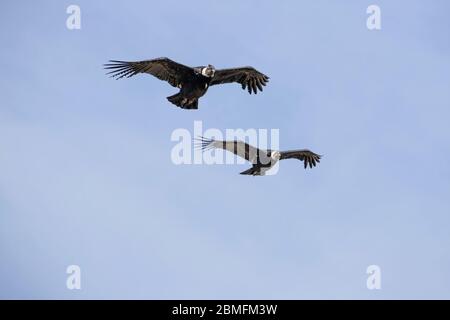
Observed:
{"x":248,"y":77}
{"x":308,"y":157}
{"x":239,"y":148}
{"x":162,"y":68}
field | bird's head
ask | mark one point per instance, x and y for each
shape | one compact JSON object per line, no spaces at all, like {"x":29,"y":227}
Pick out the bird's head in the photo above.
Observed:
{"x":275,"y":155}
{"x":209,"y":71}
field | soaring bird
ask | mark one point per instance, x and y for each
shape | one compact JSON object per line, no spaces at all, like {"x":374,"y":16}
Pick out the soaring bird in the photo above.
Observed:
{"x":193,"y":82}
{"x":262,"y":160}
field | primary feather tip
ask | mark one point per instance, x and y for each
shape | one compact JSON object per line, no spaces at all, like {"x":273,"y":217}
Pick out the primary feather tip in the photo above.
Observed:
{"x":202,"y":143}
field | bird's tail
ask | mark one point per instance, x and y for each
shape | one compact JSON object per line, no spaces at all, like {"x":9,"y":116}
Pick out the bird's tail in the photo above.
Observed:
{"x":180,"y":101}
{"x":254,"y":171}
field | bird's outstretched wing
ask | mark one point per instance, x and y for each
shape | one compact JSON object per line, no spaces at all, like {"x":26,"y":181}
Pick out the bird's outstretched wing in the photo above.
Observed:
{"x":162,"y":68}
{"x":248,"y":77}
{"x":239,"y":148}
{"x":308,"y":157}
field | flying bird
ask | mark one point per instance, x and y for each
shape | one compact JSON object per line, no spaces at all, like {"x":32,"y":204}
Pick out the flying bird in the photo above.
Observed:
{"x":193,"y":82}
{"x":262,"y":160}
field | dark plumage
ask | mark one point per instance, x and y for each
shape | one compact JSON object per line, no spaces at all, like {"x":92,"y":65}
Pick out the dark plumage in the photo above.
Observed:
{"x":193,"y":82}
{"x":262,"y":160}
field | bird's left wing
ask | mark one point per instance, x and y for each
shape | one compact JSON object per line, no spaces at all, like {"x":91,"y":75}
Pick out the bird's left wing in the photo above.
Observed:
{"x":163,"y":68}
{"x":239,"y":148}
{"x":248,"y":77}
{"x":308,"y":157}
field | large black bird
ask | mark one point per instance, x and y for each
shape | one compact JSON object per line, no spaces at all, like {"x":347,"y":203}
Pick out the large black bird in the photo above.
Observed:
{"x":193,"y":82}
{"x":262,"y":160}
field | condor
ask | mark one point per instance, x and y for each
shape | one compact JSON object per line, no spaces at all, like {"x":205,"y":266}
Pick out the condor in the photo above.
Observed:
{"x":193,"y":82}
{"x":262,"y":160}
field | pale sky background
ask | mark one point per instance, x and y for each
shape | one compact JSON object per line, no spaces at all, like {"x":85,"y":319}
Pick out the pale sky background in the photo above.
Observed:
{"x":86,"y":176}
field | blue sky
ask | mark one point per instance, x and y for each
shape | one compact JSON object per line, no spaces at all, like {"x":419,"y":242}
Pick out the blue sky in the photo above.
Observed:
{"x":86,"y":176}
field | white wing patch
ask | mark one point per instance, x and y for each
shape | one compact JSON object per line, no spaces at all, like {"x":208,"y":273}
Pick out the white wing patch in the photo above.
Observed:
{"x":238,"y":149}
